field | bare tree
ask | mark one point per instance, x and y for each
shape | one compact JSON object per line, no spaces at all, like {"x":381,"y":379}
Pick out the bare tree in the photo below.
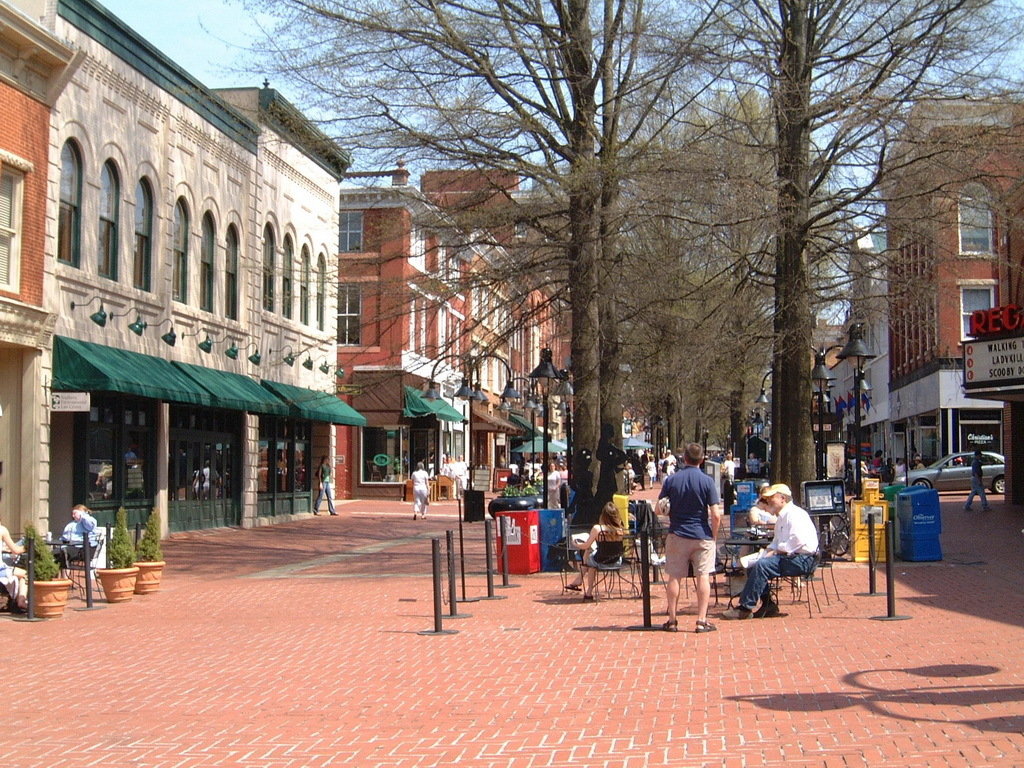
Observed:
{"x":567,"y":95}
{"x":841,"y":77}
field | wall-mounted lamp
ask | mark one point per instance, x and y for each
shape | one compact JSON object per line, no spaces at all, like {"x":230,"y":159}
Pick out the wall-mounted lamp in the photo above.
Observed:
{"x":206,"y":344}
{"x":255,"y":358}
{"x":308,"y":364}
{"x":168,"y":338}
{"x":99,"y":316}
{"x":288,"y":359}
{"x":232,"y":351}
{"x":325,"y":367}
{"x":139,"y":326}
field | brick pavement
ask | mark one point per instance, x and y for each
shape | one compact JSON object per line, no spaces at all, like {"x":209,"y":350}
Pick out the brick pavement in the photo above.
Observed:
{"x":298,"y":645}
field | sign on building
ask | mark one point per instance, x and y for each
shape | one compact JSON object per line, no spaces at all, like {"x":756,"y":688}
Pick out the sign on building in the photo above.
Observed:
{"x":69,"y":401}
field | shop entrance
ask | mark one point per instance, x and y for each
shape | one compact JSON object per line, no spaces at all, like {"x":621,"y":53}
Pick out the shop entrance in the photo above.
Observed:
{"x":204,"y":480}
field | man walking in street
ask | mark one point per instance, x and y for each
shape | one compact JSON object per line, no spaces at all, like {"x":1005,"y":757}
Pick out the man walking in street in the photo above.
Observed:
{"x":694,"y":511}
{"x":977,"y":484}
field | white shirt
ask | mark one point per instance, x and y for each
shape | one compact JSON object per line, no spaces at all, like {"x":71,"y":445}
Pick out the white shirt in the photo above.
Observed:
{"x":420,"y":480}
{"x":729,"y":469}
{"x":794,"y":532}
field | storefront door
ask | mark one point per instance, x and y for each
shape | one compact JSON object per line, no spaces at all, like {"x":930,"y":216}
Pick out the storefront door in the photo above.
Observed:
{"x":204,"y":481}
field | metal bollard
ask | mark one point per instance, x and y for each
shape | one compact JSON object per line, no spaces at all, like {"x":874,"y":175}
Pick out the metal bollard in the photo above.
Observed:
{"x":645,"y":580}
{"x":489,"y":556}
{"x":87,"y":554}
{"x":30,"y":608}
{"x":872,"y":560}
{"x":890,"y":575}
{"x":435,"y":560}
{"x":453,"y":604}
{"x":505,"y":523}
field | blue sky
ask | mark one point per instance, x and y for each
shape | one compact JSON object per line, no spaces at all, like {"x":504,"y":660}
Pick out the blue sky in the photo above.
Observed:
{"x":207,"y":38}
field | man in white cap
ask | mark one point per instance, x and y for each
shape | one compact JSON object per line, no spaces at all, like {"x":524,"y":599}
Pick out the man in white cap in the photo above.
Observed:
{"x":791,"y":553}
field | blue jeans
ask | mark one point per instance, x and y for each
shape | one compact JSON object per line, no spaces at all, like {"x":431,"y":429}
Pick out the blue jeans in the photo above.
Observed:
{"x":977,"y":489}
{"x":325,"y":490}
{"x":761,"y":573}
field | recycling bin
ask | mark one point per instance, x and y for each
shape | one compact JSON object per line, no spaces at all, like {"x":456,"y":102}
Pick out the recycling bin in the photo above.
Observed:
{"x":552,"y":539}
{"x":522,"y":539}
{"x":920,"y":523}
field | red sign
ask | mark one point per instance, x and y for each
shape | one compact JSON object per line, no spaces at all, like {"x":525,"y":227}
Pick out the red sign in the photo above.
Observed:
{"x":996,"y":321}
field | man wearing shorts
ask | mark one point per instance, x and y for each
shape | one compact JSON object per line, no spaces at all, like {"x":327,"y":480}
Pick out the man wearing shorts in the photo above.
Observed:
{"x":694,"y":513}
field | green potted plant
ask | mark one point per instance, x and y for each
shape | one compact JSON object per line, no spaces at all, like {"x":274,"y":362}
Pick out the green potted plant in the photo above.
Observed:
{"x":516,"y":497}
{"x":149,"y":557}
{"x":118,"y":581}
{"x":50,"y":591}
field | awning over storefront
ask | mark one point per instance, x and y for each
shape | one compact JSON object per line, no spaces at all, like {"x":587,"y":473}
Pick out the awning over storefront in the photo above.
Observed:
{"x":80,"y":366}
{"x":493,"y":423}
{"x":528,"y":429}
{"x":235,"y":392}
{"x":417,"y":405}
{"x":315,"y":405}
{"x":537,"y":446}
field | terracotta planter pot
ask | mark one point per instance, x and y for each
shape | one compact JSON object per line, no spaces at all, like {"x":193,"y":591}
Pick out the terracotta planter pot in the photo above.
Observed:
{"x":118,"y":583}
{"x":51,"y":597}
{"x":149,"y":577}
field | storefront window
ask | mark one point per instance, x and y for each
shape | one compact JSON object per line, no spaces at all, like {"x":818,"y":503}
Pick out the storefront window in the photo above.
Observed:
{"x":263,"y":468}
{"x":119,"y":448}
{"x":283,"y":465}
{"x":385,"y":454}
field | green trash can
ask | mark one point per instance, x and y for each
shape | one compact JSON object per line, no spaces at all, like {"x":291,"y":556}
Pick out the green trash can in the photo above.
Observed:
{"x":890,"y":492}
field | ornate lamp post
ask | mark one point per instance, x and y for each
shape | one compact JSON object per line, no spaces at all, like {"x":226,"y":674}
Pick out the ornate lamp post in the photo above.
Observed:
{"x":545,"y":371}
{"x":857,"y":351}
{"x":822,"y":379}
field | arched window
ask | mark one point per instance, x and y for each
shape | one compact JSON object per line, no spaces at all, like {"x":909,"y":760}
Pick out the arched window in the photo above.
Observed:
{"x":142,"y":258}
{"x":231,"y":275}
{"x":976,"y":221}
{"x":286,"y":277}
{"x":207,"y":254}
{"x":304,"y":287}
{"x":110,"y":195}
{"x":69,"y":218}
{"x":321,"y":290}
{"x":269,"y":252}
{"x":179,"y":246}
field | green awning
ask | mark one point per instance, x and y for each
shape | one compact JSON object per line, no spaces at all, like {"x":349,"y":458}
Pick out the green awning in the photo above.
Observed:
{"x":519,"y":421}
{"x":235,"y":392}
{"x":80,"y":366}
{"x":316,"y":406}
{"x":417,"y":405}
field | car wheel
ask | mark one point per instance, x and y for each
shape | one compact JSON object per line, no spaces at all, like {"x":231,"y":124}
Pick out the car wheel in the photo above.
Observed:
{"x":923,"y":483}
{"x":999,"y":485}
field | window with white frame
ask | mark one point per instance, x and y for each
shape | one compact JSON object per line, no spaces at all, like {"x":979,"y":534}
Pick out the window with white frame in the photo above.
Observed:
{"x":179,"y":245}
{"x":973,"y":298}
{"x":142,"y":255}
{"x":110,"y":204}
{"x":976,"y":220}
{"x":11,"y":183}
{"x":417,"y":249}
{"x":350,"y":310}
{"x":351,"y":231}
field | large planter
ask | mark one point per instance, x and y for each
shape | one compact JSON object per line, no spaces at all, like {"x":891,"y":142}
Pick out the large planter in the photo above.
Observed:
{"x":148,"y":580}
{"x":118,"y":583}
{"x":513,"y":503}
{"x":50,"y":598}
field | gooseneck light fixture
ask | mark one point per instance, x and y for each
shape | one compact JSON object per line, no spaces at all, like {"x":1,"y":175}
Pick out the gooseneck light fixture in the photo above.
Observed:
{"x":99,"y":316}
{"x":232,"y":351}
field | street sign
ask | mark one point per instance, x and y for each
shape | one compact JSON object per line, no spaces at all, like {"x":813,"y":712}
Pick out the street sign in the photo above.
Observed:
{"x":993,"y":363}
{"x":69,"y":401}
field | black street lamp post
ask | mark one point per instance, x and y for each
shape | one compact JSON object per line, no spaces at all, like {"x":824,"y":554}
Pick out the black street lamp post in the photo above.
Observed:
{"x":545,"y":371}
{"x":857,"y":350}
{"x":823,"y":380}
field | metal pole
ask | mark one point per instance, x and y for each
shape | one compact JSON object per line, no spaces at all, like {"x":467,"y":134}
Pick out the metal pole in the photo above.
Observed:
{"x":453,"y":606}
{"x":547,"y":388}
{"x":489,"y":559}
{"x":645,"y":579}
{"x":503,"y":534}
{"x":890,"y":577}
{"x":872,"y":556}
{"x":87,"y":554}
{"x":435,"y":559}
{"x":821,"y":434}
{"x":857,"y":374}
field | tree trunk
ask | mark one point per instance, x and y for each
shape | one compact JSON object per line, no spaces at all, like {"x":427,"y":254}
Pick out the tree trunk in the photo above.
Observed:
{"x":792,"y":456}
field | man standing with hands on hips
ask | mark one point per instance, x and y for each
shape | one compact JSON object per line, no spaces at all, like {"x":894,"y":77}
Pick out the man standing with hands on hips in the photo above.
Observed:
{"x":694,"y":513}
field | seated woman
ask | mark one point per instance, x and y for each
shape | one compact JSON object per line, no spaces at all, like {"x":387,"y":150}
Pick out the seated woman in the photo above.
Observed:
{"x":607,"y":535}
{"x":12,"y":579}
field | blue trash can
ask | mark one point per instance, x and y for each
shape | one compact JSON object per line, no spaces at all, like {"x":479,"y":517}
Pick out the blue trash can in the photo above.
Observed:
{"x":552,"y":536}
{"x":920,"y":523}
